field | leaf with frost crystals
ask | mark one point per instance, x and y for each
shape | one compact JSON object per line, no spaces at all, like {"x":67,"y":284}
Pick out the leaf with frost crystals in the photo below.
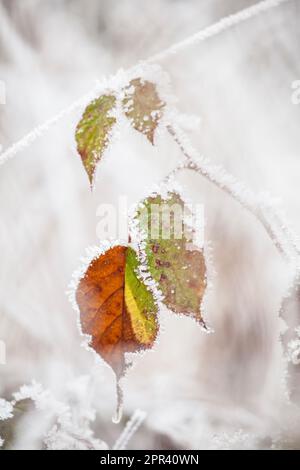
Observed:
{"x":143,"y":106}
{"x":92,"y":132}
{"x":116,"y":308}
{"x":174,"y":262}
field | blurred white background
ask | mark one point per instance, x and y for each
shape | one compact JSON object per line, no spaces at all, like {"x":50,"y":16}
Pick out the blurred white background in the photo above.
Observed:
{"x":199,"y":391}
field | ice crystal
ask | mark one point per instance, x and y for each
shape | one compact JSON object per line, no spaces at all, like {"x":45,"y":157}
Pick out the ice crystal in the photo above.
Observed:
{"x":6,"y":409}
{"x":293,"y":348}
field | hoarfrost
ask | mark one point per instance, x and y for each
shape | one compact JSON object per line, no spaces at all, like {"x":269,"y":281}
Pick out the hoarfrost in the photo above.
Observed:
{"x":130,"y":429}
{"x":238,"y":440}
{"x":293,"y":348}
{"x":6,"y":409}
{"x":71,"y":428}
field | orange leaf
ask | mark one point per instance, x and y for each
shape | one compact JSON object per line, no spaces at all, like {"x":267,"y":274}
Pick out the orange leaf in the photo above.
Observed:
{"x":116,"y":308}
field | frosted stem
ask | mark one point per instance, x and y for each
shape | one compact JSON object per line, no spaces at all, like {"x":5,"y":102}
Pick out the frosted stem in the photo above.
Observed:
{"x":38,"y":131}
{"x":281,"y":235}
{"x":274,"y":223}
{"x":222,"y":25}
{"x":130,"y":429}
{"x":120,"y":400}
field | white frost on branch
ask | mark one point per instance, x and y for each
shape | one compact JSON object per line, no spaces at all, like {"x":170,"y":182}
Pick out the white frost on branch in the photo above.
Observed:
{"x":130,"y":429}
{"x":238,"y":440}
{"x":222,"y":25}
{"x":70,"y":419}
{"x":103,"y":84}
{"x":262,"y":206}
{"x":293,"y":348}
{"x":71,"y":429}
{"x":6,"y":412}
{"x":6,"y":409}
{"x":146,"y":72}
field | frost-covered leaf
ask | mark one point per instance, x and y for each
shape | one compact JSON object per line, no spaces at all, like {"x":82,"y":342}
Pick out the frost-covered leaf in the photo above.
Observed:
{"x":174,"y":261}
{"x":93,"y":130}
{"x":116,"y":308}
{"x":143,"y":106}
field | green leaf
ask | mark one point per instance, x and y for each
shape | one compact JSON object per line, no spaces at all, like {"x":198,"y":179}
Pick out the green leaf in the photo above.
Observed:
{"x":143,"y":106}
{"x":92,"y":132}
{"x":176,"y":264}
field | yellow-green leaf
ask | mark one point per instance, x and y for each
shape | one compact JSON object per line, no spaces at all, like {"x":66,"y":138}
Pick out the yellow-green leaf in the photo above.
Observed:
{"x":176,"y":264}
{"x":143,"y":106}
{"x":92,"y":132}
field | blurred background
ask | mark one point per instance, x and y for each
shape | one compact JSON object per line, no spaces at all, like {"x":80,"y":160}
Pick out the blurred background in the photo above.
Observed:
{"x":223,"y":390}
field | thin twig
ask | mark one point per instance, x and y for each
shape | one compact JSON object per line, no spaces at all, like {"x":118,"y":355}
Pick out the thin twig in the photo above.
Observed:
{"x":222,"y":25}
{"x":274,"y":223}
{"x":212,"y":30}
{"x":277,"y":229}
{"x":129,"y":430}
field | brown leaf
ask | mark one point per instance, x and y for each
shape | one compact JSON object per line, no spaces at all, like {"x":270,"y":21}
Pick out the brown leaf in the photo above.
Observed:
{"x":116,"y":309}
{"x":143,"y":106}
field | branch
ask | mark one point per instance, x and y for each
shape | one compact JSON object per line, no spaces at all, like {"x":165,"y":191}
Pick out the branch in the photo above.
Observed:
{"x":276,"y":227}
{"x":212,"y":30}
{"x":280,"y":233}
{"x":222,"y":25}
{"x":130,"y":429}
